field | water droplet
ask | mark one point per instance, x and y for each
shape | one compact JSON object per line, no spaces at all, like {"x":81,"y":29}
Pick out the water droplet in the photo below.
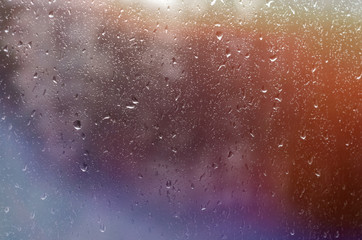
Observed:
{"x":44,"y":196}
{"x":6,"y":209}
{"x":84,"y":167}
{"x":268,"y":2}
{"x":219,"y":35}
{"x":203,"y":208}
{"x":77,"y":125}
{"x":310,"y":161}
{"x":51,"y":14}
{"x":135,"y":100}
{"x":263,"y":90}
{"x":214,"y":166}
{"x":55,"y":80}
{"x":228,"y":52}
{"x":32,"y":113}
{"x":292,"y":233}
{"x":168,"y":184}
{"x":273,"y":58}
{"x":303,"y":135}
{"x":317,"y":173}
{"x":102,"y":228}
{"x":35,"y":75}
{"x":130,"y":106}
{"x":315,"y":104}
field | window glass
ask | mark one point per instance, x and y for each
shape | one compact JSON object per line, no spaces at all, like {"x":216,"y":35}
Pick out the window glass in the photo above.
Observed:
{"x":167,"y":119}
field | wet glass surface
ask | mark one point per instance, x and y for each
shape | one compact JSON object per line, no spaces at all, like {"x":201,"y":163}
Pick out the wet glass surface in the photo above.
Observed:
{"x":180,"y":119}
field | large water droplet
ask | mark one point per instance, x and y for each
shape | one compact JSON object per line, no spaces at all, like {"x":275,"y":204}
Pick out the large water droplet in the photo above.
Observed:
{"x":51,"y":14}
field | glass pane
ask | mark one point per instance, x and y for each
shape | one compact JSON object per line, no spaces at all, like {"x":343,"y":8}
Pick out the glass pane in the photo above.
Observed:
{"x":168,"y":119}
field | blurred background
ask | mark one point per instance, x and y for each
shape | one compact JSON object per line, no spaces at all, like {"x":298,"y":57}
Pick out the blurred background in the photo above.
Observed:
{"x":180,"y":119}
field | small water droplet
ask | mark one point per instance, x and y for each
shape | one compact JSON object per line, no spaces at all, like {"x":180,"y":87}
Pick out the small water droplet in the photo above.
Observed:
{"x":315,"y":104}
{"x":214,"y":166}
{"x":303,"y":135}
{"x":77,"y":125}
{"x":219,"y":35}
{"x":6,"y":209}
{"x":140,"y":176}
{"x":168,"y":184}
{"x":32,"y":113}
{"x":130,"y":106}
{"x":84,"y":167}
{"x":268,"y":2}
{"x":135,"y":100}
{"x":102,"y":228}
{"x":263,"y":90}
{"x":51,"y":14}
{"x":228,"y":52}
{"x":203,"y":208}
{"x":55,"y":80}
{"x":44,"y":196}
{"x":318,"y":173}
{"x":292,"y":233}
{"x":35,"y":75}
{"x":273,"y":58}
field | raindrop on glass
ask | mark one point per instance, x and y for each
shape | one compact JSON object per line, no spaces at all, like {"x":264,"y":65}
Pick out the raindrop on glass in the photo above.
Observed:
{"x":44,"y":196}
{"x":219,"y":35}
{"x":77,"y":125}
{"x":102,"y":228}
{"x":84,"y":167}
{"x":6,"y":209}
{"x":273,"y":58}
{"x":168,"y":184}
